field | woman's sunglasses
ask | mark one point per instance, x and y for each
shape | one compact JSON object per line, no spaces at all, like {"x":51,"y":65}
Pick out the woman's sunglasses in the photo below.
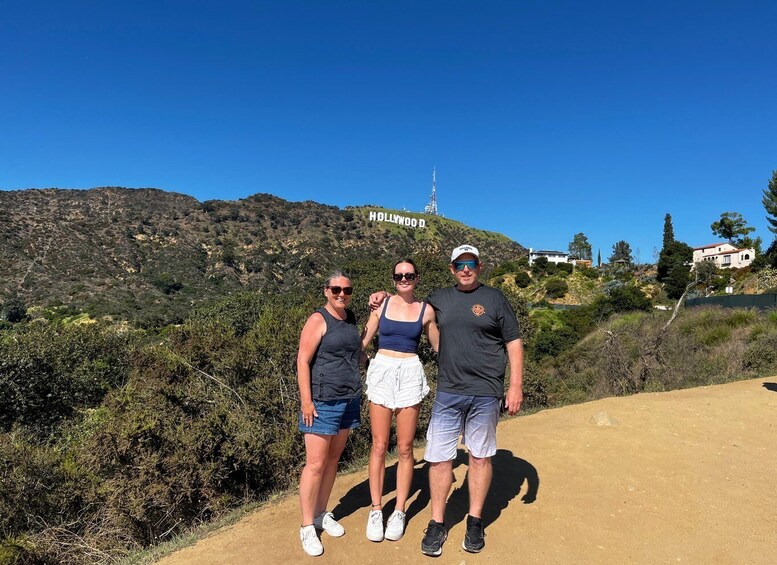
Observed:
{"x":469,"y":263}
{"x":346,"y":290}
{"x":399,"y":276}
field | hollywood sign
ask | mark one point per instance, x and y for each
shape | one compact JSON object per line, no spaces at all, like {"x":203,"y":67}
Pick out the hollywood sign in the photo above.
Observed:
{"x":397,"y":219}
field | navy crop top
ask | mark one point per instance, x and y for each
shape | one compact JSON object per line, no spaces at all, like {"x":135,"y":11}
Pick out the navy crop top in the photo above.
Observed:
{"x":400,"y":336}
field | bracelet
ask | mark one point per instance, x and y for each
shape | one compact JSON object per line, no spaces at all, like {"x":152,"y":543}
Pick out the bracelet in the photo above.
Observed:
{"x":374,"y":505}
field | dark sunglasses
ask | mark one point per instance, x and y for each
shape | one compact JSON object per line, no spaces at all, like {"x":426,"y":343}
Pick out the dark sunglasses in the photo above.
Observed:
{"x":346,"y":290}
{"x":398,"y":276}
{"x":469,"y":263}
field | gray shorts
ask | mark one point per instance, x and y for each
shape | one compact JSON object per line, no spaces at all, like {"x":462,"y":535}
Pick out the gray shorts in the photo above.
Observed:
{"x":454,"y":415}
{"x":396,"y":382}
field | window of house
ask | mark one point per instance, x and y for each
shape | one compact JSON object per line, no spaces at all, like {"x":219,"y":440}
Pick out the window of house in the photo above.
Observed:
{"x":727,"y":259}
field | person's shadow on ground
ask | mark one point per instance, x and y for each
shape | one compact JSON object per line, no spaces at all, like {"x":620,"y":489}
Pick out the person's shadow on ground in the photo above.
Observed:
{"x":358,"y":498}
{"x":771,"y":386}
{"x":509,"y":475}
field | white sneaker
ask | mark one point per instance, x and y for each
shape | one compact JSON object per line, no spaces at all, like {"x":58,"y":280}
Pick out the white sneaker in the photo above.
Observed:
{"x":310,"y":542}
{"x":375,"y":525}
{"x":326,"y":521}
{"x":395,"y":528}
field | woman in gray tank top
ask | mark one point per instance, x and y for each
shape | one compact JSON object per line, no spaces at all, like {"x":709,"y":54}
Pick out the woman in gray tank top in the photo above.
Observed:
{"x":330,"y":397}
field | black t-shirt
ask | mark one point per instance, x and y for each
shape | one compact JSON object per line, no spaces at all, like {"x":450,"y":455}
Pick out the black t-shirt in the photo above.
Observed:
{"x":474,"y":328}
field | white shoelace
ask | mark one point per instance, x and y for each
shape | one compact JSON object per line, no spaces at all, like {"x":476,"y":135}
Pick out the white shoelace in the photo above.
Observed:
{"x":376,"y":518}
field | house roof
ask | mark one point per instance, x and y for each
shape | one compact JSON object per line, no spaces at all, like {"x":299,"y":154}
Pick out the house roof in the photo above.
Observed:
{"x":547,"y":252}
{"x":731,"y":251}
{"x":712,"y":245}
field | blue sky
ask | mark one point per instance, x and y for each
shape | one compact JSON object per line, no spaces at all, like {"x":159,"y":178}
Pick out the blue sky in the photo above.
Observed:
{"x":543,"y":119}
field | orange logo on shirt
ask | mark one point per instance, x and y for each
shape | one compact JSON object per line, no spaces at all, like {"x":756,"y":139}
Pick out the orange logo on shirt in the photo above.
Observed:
{"x":478,"y":310}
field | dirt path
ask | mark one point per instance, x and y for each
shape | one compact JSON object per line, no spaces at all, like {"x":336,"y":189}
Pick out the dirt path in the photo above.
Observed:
{"x":681,"y":477}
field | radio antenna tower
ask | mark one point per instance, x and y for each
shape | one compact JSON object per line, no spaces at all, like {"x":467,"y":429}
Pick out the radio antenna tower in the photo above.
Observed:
{"x":431,"y":208}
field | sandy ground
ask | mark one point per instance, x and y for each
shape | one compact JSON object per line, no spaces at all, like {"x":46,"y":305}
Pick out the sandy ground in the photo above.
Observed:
{"x":679,"y":477}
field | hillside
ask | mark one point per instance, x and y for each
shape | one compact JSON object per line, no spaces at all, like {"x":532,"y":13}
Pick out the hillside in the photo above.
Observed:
{"x":149,"y":255}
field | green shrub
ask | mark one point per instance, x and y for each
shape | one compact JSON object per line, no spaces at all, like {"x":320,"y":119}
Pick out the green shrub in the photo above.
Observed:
{"x":47,"y":371}
{"x":18,"y":550}
{"x":552,"y":343}
{"x":504,"y":268}
{"x":522,"y":279}
{"x":738,"y":318}
{"x":547,"y":319}
{"x":556,"y":288}
{"x":714,"y":335}
{"x":757,"y":330}
{"x":167,"y":283}
{"x":536,"y":387}
{"x":13,"y":311}
{"x":761,"y":354}
{"x":588,"y":272}
{"x":541,"y":266}
{"x":564,"y":269}
{"x":622,"y":298}
{"x":178,"y":447}
{"x":41,"y":485}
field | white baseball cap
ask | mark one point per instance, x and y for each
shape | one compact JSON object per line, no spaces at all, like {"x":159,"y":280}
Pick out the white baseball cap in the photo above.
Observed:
{"x":462,"y":249}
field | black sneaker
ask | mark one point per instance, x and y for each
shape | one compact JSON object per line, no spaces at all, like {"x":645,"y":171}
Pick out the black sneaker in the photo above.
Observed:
{"x":434,"y":538}
{"x":473,"y":539}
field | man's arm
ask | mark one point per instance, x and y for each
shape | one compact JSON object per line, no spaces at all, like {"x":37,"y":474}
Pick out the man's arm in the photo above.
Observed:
{"x":514,"y":397}
{"x":377,"y":298}
{"x":370,"y":329}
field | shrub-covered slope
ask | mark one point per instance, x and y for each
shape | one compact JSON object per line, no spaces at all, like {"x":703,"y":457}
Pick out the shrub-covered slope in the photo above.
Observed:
{"x":633,"y":352}
{"x":149,"y":255}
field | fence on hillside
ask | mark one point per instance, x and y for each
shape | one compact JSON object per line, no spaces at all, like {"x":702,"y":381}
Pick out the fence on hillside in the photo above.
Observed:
{"x":760,"y":301}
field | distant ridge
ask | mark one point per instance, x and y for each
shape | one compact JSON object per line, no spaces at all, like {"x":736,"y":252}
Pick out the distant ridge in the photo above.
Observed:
{"x":122,"y":251}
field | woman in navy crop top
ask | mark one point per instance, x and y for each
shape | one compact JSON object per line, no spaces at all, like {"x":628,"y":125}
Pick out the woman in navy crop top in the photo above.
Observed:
{"x":396,"y":385}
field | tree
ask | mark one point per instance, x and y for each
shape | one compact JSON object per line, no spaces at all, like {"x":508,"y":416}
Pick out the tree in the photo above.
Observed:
{"x":556,"y":288}
{"x":13,"y":311}
{"x":522,"y":279}
{"x":541,"y":266}
{"x":748,"y":242}
{"x":621,"y":251}
{"x":706,"y":273}
{"x":599,"y":258}
{"x":668,"y":230}
{"x":580,"y":248}
{"x":674,"y":262}
{"x":731,"y":225}
{"x":676,"y":253}
{"x":677,"y":279}
{"x":770,"y":202}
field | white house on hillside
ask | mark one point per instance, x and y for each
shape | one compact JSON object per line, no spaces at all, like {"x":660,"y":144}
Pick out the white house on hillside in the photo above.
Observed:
{"x":724,"y":255}
{"x":552,"y":256}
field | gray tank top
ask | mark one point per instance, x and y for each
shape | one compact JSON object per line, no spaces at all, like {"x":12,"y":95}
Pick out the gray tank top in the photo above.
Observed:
{"x":334,"y":370}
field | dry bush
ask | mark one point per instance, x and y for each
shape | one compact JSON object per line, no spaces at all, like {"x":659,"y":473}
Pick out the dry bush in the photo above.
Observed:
{"x":761,"y":354}
{"x":634,"y":353}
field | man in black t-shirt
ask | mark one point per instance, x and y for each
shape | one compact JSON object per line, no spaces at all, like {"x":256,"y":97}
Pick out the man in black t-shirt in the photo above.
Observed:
{"x":478,"y":334}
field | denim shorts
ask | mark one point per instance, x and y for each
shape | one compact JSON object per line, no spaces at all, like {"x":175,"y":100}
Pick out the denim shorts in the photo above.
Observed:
{"x":454,"y":415}
{"x":333,"y":416}
{"x":396,"y":382}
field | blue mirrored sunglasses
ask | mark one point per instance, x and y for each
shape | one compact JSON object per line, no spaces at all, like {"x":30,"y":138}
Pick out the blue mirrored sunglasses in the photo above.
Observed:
{"x":469,"y":263}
